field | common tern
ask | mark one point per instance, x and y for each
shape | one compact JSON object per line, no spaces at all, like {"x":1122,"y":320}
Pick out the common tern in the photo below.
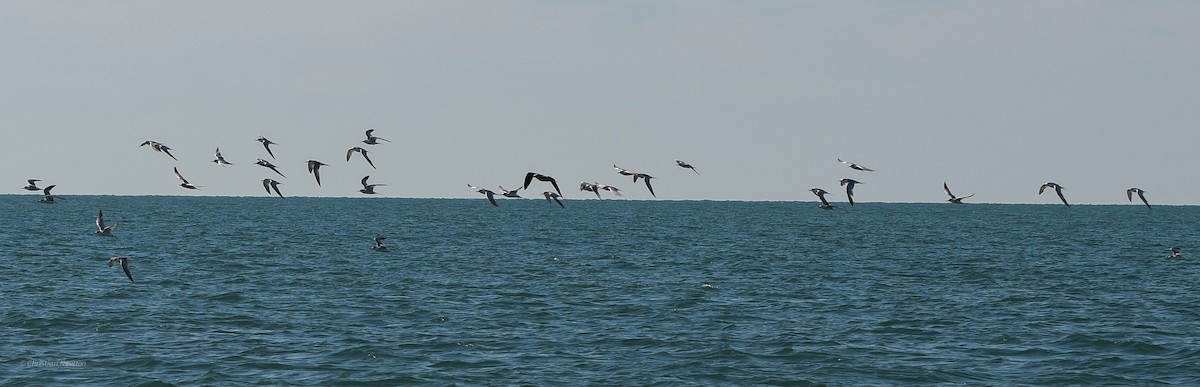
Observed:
{"x":1140,"y":193}
{"x":1175,"y":253}
{"x":686,"y":165}
{"x":368,"y":189}
{"x":101,"y":228}
{"x":219,"y":159}
{"x":849,"y":183}
{"x":371,"y":139}
{"x":954,"y":199}
{"x":509,"y":194}
{"x":268,"y":164}
{"x":1057,"y":189}
{"x":379,"y":244}
{"x":185,"y":183}
{"x":47,"y":197}
{"x":359,"y":149}
{"x":533,"y":175}
{"x":821,"y":195}
{"x":32,"y":185}
{"x":267,"y":144}
{"x":314,"y":167}
{"x":856,"y":166}
{"x":270,"y":184}
{"x":491,"y":196}
{"x":556,"y":197}
{"x":124,"y":265}
{"x":160,"y":147}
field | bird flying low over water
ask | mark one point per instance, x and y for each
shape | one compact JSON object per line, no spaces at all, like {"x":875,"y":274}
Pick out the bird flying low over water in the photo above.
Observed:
{"x":314,"y":167}
{"x":158,"y":146}
{"x":1057,"y":189}
{"x":590,"y":187}
{"x":32,"y":185}
{"x":267,"y":144}
{"x":124,"y":265}
{"x":1175,"y":253}
{"x":268,"y":164}
{"x":371,"y":139}
{"x":1140,"y":193}
{"x":623,"y":171}
{"x":509,"y":194}
{"x":646,"y":178}
{"x":534,"y":175}
{"x":491,"y":196}
{"x":270,"y":184}
{"x":856,"y":166}
{"x":686,"y":165}
{"x":368,"y":189}
{"x":954,"y":199}
{"x":551,"y":195}
{"x":220,"y":160}
{"x":821,"y":195}
{"x":379,"y":244}
{"x":185,"y":183}
{"x":47,"y":197}
{"x":849,"y":183}
{"x":359,"y":149}
{"x":102,"y":229}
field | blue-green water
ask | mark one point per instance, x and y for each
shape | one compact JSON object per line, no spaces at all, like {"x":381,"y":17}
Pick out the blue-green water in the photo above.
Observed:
{"x":289,"y":291}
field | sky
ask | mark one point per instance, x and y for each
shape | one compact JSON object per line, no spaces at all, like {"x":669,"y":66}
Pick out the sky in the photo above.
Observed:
{"x":762,"y":97}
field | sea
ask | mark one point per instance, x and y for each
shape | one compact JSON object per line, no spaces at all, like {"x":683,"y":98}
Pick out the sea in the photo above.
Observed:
{"x":288,"y":291}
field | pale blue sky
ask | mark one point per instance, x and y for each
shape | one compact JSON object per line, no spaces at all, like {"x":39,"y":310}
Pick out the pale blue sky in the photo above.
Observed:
{"x":762,"y":97}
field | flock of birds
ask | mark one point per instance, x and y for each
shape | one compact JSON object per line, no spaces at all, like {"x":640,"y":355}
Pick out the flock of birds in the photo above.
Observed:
{"x":555,"y":196}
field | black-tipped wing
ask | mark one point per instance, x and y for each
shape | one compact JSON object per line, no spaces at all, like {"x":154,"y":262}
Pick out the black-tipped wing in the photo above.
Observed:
{"x":125,"y":267}
{"x":647,"y":179}
{"x":1060,"y":196}
{"x":528,"y":179}
{"x":491,"y":196}
{"x":1142,"y":195}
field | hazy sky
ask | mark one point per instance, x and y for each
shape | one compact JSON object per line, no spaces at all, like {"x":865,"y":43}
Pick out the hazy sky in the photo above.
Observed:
{"x":995,"y":97}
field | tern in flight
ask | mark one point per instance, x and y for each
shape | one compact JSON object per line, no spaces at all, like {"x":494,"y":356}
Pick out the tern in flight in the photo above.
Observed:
{"x":371,"y":139}
{"x":688,"y":166}
{"x":314,"y":167}
{"x":849,"y":183}
{"x":219,"y":159}
{"x":124,"y":265}
{"x":267,"y":144}
{"x":954,"y":199}
{"x":590,"y":187}
{"x":551,"y":195}
{"x":1140,"y":193}
{"x":185,"y":183}
{"x":158,"y":146}
{"x":609,"y":188}
{"x":1057,"y":189}
{"x":821,"y":195}
{"x":268,"y":164}
{"x":509,"y":194}
{"x":379,"y":244}
{"x":623,"y":171}
{"x":647,"y":178}
{"x":101,"y":229}
{"x":856,"y":166}
{"x":533,"y":175}
{"x":270,"y":184}
{"x":1175,"y":253}
{"x":368,"y":189}
{"x":491,"y":196}
{"x":32,"y":185}
{"x":359,"y":149}
{"x":47,"y":198}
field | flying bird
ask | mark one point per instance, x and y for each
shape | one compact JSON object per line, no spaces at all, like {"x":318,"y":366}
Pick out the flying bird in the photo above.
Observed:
{"x":646,"y":178}
{"x":368,"y":189}
{"x":532,"y":175}
{"x":268,"y":164}
{"x":551,"y":195}
{"x":624,"y":172}
{"x":849,"y":183}
{"x":379,"y":244}
{"x":32,"y":185}
{"x":314,"y":167}
{"x":590,"y":187}
{"x":609,"y":188}
{"x":124,"y":265}
{"x":270,"y":184}
{"x":267,"y":144}
{"x":102,"y":229}
{"x":371,"y":139}
{"x":688,"y":166}
{"x":1141,"y":194}
{"x":1175,"y":253}
{"x":48,"y":198}
{"x":856,"y":166}
{"x":509,"y":194}
{"x":185,"y":183}
{"x":491,"y":196}
{"x":1057,"y":189}
{"x":220,"y":160}
{"x":159,"y":147}
{"x":821,"y":195}
{"x":359,"y":149}
{"x":954,"y":199}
